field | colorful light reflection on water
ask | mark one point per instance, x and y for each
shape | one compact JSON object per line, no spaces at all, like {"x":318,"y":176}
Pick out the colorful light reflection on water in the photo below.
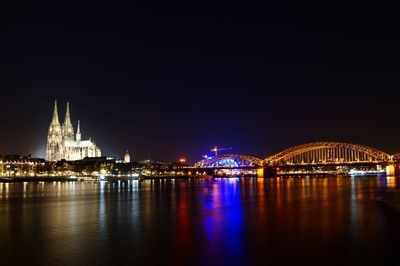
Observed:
{"x":219,"y":221}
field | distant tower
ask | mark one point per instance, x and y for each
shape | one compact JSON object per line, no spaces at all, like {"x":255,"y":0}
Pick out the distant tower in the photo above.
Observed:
{"x":78,"y":133}
{"x":67,"y":129}
{"x":127,"y":157}
{"x":54,"y":148}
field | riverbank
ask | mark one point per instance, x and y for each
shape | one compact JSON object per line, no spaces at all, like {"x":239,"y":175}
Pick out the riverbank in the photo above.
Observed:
{"x":36,"y":179}
{"x":73,"y":178}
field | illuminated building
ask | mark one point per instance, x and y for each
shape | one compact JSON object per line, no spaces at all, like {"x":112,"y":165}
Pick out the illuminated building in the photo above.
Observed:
{"x":127,"y":157}
{"x":61,"y":143}
{"x":17,"y":166}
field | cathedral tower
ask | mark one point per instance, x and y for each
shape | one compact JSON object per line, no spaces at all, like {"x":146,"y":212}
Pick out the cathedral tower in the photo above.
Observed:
{"x":67,"y":129}
{"x":54,"y":146}
{"x":78,"y":133}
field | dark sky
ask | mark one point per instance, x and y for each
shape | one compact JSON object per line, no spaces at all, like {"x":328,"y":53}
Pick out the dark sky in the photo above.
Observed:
{"x":167,"y":80}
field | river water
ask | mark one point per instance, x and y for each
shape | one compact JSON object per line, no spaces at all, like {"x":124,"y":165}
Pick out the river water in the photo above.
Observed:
{"x":235,"y":221}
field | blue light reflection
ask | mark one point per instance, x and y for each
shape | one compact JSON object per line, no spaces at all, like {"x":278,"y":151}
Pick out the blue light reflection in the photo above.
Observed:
{"x":223,"y":221}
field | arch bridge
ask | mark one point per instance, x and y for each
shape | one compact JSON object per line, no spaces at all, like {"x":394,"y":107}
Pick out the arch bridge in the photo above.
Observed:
{"x":327,"y":153}
{"x":230,"y":161}
{"x":310,"y":158}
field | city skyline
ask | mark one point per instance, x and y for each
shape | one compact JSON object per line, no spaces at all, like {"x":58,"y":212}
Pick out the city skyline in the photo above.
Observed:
{"x":204,"y":150}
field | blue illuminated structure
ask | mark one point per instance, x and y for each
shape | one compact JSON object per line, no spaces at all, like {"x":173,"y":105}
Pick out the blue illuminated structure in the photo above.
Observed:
{"x":230,"y":161}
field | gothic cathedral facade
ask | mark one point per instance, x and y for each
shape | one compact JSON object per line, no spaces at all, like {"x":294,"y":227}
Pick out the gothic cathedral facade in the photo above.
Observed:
{"x":61,"y":143}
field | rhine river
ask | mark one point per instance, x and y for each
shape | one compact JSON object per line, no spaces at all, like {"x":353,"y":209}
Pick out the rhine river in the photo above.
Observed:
{"x":246,"y":221}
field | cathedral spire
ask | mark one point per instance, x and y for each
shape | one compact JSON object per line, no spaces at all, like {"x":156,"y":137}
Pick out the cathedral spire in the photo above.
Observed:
{"x":55,"y":120}
{"x":78,"y":132}
{"x":67,"y":120}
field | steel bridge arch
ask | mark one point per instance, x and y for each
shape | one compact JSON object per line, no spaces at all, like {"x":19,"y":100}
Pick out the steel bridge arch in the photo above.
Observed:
{"x":396,"y":156}
{"x":287,"y":155}
{"x":230,"y":160}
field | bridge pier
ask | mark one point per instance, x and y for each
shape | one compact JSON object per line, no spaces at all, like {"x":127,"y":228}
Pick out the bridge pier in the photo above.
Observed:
{"x":266,"y":172}
{"x":390,"y":170}
{"x":260,"y":173}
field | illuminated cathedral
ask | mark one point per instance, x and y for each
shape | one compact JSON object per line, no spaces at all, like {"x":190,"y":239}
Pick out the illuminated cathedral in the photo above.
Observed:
{"x":61,"y":143}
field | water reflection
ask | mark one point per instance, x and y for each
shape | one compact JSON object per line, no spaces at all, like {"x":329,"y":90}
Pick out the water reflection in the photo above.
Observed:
{"x":198,"y":221}
{"x":223,"y":220}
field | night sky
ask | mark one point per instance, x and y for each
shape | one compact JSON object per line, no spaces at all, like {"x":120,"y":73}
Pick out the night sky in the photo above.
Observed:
{"x":169,"y":80}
